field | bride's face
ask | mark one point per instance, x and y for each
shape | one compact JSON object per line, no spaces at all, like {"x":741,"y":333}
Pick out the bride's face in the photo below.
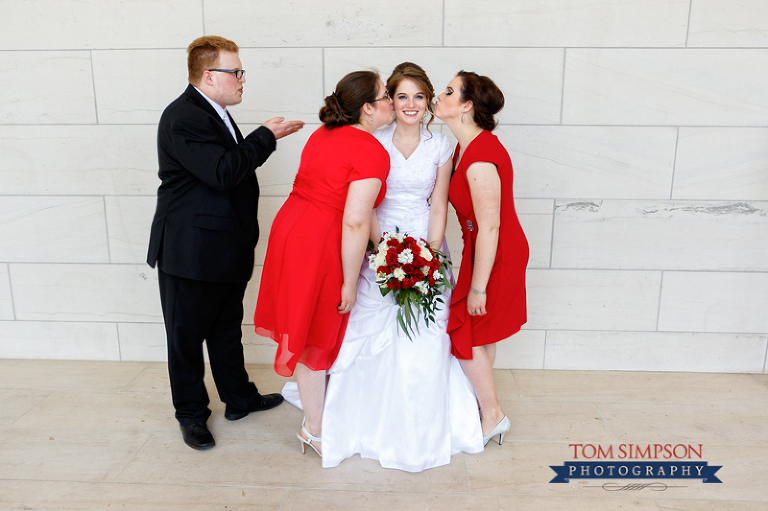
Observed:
{"x":410,"y":102}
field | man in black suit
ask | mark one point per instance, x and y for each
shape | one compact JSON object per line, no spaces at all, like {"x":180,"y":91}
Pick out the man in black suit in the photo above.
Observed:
{"x":204,"y":234}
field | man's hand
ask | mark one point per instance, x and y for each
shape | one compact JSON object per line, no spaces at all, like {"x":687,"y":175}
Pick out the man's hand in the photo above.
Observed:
{"x":281,"y":128}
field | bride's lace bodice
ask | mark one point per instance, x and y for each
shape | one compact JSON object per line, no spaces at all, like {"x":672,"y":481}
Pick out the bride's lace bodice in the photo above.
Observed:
{"x":411,"y":181}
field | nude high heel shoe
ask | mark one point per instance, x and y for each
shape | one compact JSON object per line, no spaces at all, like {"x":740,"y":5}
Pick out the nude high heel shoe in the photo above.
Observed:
{"x":310,"y":438}
{"x":501,"y":429}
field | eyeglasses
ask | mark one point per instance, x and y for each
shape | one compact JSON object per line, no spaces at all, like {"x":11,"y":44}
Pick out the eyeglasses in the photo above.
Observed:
{"x":239,"y":73}
{"x":385,"y":97}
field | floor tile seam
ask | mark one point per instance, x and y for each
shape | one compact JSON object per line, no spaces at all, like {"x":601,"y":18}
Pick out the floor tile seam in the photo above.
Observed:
{"x":586,"y":373}
{"x":567,"y":442}
{"x":405,"y":492}
{"x":523,"y":441}
{"x":159,"y":392}
{"x":74,"y":389}
{"x":745,"y":402}
{"x":523,"y":399}
{"x":151,"y":483}
{"x":335,"y":490}
{"x":282,"y":501}
{"x":143,"y":370}
{"x":517,"y":386}
{"x":476,"y":493}
{"x":53,"y":430}
{"x":762,"y":381}
{"x":9,"y":426}
{"x":173,"y":431}
{"x":132,"y":458}
{"x":719,"y":406}
{"x":667,"y":500}
{"x":111,"y":391}
{"x":273,"y":487}
{"x":466,"y":473}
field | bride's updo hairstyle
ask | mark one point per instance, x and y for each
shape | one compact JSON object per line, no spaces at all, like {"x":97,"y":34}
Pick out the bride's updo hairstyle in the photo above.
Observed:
{"x":416,"y":74}
{"x":487,"y":99}
{"x":344,"y":105}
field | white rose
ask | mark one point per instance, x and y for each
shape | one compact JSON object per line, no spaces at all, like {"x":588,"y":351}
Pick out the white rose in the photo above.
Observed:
{"x":405,"y":257}
{"x":399,"y":274}
{"x":422,"y":287}
{"x":381,"y":259}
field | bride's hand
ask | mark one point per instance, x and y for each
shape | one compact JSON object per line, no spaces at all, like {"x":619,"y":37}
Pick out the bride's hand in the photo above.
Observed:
{"x":348,"y":298}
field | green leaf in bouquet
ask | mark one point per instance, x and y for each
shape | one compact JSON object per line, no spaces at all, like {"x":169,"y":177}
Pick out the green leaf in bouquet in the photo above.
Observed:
{"x":402,"y":324}
{"x":406,"y":318}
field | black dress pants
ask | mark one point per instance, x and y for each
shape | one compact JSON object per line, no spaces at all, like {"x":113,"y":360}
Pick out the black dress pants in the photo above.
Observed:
{"x":194,"y":311}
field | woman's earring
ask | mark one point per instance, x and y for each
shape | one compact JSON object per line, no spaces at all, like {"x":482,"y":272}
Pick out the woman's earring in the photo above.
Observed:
{"x":370,"y":120}
{"x":462,"y":118}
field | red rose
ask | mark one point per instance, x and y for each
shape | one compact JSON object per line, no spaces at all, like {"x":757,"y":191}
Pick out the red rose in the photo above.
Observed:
{"x":393,"y":243}
{"x":391,"y":256}
{"x":407,"y":283}
{"x":393,"y":284}
{"x":418,"y":276}
{"x":382,"y":269}
{"x":431,"y":280}
{"x":409,"y":240}
{"x":408,"y":268}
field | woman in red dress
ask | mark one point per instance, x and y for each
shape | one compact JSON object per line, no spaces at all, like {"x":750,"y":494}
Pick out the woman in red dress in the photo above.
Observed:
{"x":488,"y":304}
{"x":318,"y":240}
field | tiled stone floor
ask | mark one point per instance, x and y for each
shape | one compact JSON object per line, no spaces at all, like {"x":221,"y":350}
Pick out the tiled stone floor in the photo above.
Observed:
{"x":101,"y":436}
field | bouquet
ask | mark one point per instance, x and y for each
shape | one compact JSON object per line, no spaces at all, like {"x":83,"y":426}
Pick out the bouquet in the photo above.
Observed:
{"x":414,"y":273}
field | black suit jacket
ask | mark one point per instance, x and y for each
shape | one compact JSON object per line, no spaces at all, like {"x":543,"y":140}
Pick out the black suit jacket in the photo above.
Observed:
{"x":205,"y":225}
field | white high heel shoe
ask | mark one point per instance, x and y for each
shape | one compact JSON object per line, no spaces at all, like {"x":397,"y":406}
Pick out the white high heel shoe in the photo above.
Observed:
{"x":501,"y":429}
{"x":308,"y":441}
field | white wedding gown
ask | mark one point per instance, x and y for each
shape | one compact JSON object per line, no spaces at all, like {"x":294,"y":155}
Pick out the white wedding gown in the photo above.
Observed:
{"x":405,"y":403}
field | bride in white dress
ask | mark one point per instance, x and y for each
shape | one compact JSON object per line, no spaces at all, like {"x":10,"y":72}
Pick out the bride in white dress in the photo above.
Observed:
{"x":405,"y":403}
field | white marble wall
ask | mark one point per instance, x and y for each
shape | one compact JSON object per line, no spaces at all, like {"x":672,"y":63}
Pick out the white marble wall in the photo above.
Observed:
{"x":638,"y":131}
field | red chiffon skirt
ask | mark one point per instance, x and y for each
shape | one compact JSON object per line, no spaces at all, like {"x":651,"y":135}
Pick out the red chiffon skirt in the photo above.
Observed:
{"x":300,"y":287}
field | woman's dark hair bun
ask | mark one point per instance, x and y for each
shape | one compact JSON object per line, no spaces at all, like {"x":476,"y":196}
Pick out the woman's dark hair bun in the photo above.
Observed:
{"x":487,"y":99}
{"x":344,"y":105}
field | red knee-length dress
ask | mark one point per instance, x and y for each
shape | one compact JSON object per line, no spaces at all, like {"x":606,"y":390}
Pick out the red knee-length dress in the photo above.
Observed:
{"x":302,"y":275}
{"x":505,"y":293}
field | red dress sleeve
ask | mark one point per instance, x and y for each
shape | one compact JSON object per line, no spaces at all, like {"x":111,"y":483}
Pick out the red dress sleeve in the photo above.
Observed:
{"x":370,"y":160}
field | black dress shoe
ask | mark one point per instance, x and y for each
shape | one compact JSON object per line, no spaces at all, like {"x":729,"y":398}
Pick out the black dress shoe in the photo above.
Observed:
{"x":197,"y":436}
{"x":264,"y":402}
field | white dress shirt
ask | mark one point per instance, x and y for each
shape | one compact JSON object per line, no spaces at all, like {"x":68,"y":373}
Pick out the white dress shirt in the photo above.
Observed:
{"x":222,"y":113}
